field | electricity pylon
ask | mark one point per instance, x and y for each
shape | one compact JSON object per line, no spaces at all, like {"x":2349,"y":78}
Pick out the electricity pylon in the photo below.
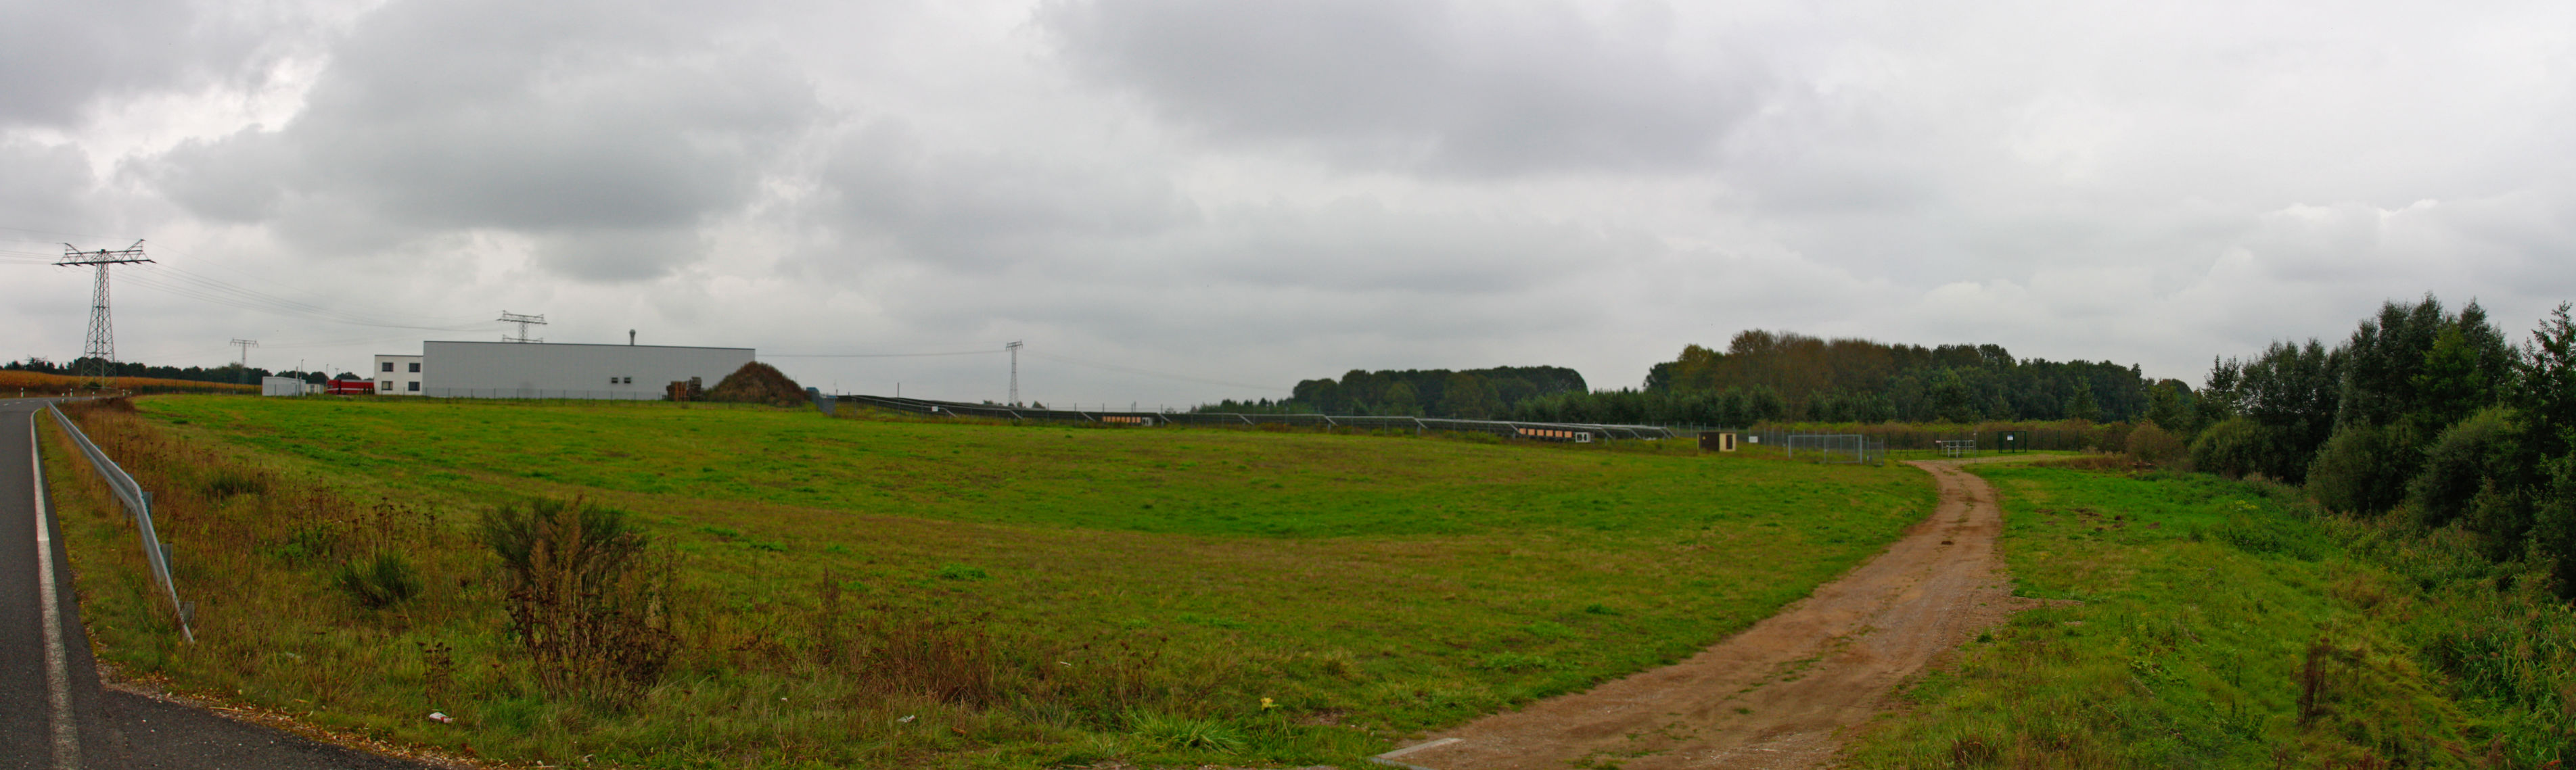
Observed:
{"x":100,"y":348}
{"x":1014,"y":347}
{"x":246,"y":345}
{"x":523,"y":321}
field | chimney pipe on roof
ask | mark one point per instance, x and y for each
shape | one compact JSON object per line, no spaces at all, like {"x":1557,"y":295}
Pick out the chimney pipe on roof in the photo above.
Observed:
{"x":630,"y":338}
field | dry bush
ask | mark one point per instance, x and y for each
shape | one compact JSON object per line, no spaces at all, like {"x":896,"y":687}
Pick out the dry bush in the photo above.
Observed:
{"x":2151,"y":444}
{"x":586,"y":596}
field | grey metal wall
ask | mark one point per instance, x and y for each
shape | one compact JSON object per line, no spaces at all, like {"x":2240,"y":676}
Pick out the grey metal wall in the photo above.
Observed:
{"x":553,"y":370}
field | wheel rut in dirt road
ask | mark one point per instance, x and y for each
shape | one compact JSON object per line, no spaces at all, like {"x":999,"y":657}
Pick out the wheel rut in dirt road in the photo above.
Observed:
{"x":1782,"y":693}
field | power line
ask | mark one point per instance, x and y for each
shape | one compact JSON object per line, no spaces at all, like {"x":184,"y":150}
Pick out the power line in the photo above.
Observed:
{"x":880,"y":355}
{"x":1152,"y":373}
{"x":211,"y":290}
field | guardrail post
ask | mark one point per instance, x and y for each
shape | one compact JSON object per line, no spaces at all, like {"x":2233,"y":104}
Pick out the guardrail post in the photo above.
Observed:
{"x":138,"y":503}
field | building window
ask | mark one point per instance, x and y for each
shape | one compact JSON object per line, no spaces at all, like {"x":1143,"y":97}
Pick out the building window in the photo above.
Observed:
{"x":389,"y":366}
{"x":415,"y":366}
{"x":414,"y":384}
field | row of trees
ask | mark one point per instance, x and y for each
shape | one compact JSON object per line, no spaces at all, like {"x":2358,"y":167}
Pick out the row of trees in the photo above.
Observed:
{"x":1475,"y":394}
{"x":1857,"y":380}
{"x":2421,"y":412}
{"x":228,"y":373}
{"x":1762,"y":376}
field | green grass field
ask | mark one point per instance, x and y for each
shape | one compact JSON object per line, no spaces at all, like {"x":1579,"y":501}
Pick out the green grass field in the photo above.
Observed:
{"x":2203,"y":622}
{"x":1157,"y":596}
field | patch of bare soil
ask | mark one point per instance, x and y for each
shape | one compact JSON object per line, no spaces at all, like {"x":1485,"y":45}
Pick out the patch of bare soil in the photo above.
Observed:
{"x":1783,"y":693}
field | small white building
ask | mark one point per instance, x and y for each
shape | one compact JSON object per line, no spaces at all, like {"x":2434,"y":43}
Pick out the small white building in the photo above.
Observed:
{"x":397,"y":375}
{"x":281,"y":386}
{"x":562,"y":370}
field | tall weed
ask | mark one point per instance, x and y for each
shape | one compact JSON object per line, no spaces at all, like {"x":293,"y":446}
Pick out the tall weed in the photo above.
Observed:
{"x":585,"y":599}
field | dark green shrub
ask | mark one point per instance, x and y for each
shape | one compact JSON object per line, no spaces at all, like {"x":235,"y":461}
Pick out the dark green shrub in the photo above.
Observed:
{"x":2553,"y":529}
{"x":2233,"y":448}
{"x":2466,"y":458}
{"x":2363,"y":469}
{"x":379,"y":582}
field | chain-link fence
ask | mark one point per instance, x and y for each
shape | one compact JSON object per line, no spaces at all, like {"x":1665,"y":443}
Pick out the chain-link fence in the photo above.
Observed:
{"x":1844,"y":448}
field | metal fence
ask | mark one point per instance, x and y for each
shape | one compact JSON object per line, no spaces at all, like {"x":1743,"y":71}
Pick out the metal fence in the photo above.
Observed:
{"x":138,"y":503}
{"x":1543,"y":431}
{"x":538,"y":393}
{"x":1843,"y":448}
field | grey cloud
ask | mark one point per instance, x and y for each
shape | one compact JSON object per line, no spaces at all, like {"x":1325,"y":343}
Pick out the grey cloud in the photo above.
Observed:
{"x":49,"y":184}
{"x":1362,"y":245}
{"x":1090,"y":222}
{"x":568,"y":122}
{"x":59,"y":57}
{"x":989,"y":209}
{"x":1456,"y":88}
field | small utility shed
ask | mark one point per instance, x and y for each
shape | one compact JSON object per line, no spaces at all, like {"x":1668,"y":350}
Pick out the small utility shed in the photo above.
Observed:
{"x":565,"y":370}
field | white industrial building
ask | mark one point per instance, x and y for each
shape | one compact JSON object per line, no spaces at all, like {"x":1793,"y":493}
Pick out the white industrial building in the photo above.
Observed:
{"x":397,"y":375}
{"x":286,"y":386}
{"x":559,"y":370}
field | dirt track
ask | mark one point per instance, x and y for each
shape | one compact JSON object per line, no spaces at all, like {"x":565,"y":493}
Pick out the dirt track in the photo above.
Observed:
{"x":1780,"y":694}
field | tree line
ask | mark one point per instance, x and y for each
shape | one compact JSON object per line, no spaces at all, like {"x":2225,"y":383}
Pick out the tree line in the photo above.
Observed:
{"x":2432,"y":415}
{"x":1762,"y":376}
{"x":228,"y":373}
{"x":1767,"y":376}
{"x":1474,"y":394}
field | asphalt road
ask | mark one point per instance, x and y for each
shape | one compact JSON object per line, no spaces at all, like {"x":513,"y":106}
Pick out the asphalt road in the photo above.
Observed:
{"x":78,"y":724}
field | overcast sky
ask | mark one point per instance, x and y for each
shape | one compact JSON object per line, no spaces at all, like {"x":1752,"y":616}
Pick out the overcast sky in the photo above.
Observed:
{"x":1174,"y":202}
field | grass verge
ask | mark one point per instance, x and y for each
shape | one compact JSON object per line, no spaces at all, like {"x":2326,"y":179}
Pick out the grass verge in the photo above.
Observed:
{"x":2202,"y":622}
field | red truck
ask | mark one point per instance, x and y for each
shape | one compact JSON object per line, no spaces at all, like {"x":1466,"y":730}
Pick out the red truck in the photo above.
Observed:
{"x":350,"y":388}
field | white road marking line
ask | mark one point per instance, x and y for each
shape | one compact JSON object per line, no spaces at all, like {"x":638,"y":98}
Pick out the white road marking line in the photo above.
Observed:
{"x":58,"y":677}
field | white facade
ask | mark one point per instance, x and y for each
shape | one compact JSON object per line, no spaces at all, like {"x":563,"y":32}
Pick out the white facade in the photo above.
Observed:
{"x":281,"y":386}
{"x":397,"y":375}
{"x":558,"y":370}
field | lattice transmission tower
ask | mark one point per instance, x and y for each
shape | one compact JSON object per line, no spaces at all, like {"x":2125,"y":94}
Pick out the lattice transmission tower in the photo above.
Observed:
{"x":100,"y":349}
{"x":524,"y":321}
{"x":1014,"y":347}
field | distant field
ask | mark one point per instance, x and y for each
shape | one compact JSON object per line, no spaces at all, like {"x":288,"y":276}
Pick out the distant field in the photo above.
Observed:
{"x":1367,"y":586}
{"x":11,"y":381}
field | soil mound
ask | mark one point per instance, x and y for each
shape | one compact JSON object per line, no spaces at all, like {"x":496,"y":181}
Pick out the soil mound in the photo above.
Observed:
{"x":758,"y":383}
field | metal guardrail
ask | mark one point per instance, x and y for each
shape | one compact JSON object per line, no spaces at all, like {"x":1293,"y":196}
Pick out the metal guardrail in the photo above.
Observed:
{"x":138,"y":503}
{"x":1546,"y":431}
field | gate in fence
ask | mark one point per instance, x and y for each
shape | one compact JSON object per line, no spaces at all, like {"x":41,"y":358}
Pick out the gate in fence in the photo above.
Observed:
{"x":1846,"y":448}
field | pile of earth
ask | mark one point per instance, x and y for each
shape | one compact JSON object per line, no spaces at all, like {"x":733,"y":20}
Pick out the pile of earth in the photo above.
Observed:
{"x":758,"y":383}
